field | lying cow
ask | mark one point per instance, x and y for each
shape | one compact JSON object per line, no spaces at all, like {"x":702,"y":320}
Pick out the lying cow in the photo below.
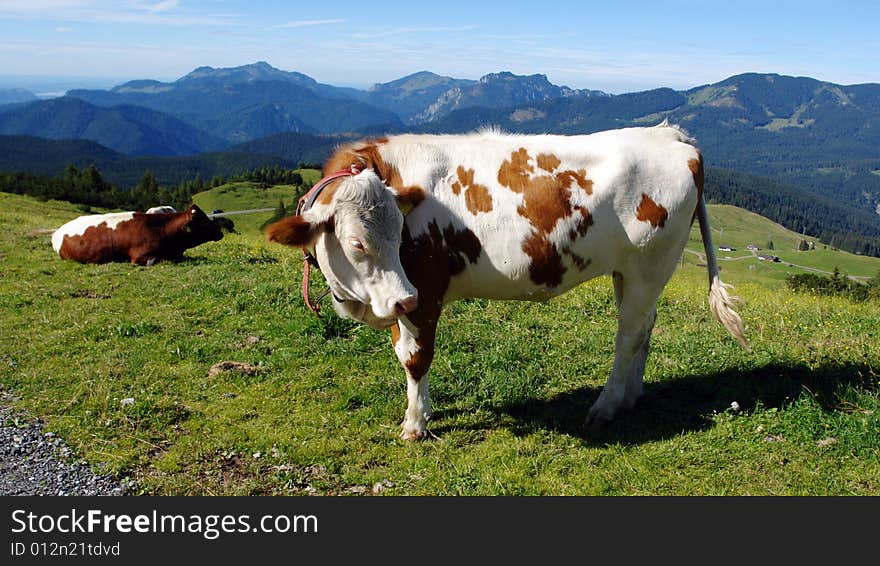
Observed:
{"x":412,"y":222}
{"x":134,"y":236}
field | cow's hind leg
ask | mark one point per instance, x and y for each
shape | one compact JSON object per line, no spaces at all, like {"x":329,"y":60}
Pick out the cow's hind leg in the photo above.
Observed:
{"x":414,"y":346}
{"x":635,"y":374}
{"x":636,"y":303}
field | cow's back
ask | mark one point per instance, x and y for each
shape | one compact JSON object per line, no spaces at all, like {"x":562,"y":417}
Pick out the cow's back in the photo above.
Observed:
{"x":88,"y":238}
{"x":547,"y":212}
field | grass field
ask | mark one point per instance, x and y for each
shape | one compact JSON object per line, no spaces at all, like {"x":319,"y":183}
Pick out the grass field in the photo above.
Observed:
{"x":511,"y":382}
{"x":737,"y":228}
{"x":248,"y":196}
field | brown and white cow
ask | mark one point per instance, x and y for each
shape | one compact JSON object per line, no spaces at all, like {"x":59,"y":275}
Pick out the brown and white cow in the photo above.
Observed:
{"x":423,"y":220}
{"x":134,"y":236}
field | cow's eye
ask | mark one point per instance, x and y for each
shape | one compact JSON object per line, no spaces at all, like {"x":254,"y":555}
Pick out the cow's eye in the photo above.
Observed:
{"x":357,"y":244}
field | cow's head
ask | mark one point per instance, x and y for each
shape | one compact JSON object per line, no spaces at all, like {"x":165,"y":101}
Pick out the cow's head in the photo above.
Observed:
{"x":356,"y":234}
{"x":200,"y":228}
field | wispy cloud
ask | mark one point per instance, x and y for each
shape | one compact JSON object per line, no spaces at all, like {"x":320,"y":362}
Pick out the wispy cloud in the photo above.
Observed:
{"x":306,"y":23}
{"x":416,"y":29}
{"x":159,"y":6}
{"x":26,"y":8}
{"x":163,"y":12}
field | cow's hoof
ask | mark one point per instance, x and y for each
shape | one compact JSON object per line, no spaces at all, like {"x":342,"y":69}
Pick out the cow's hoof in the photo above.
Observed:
{"x":598,"y":420}
{"x":411,"y":435}
{"x":597,"y":426}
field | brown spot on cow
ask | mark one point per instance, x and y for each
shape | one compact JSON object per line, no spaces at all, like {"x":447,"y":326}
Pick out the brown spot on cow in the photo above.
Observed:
{"x":546,"y":266}
{"x":430,"y":260}
{"x":545,"y":202}
{"x":546,"y":198}
{"x":580,"y":262}
{"x":548,"y":162}
{"x":580,"y":176}
{"x":650,"y":211}
{"x":583,"y":223}
{"x":364,"y":154}
{"x":420,"y":361}
{"x":478,"y":199}
{"x":577,"y":260}
{"x":410,"y":197}
{"x":326,"y":195}
{"x":515,"y":173}
{"x":367,"y":155}
{"x":476,"y":196}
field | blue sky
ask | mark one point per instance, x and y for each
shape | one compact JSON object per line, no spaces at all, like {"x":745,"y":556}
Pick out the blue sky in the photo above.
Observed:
{"x":616,"y":46}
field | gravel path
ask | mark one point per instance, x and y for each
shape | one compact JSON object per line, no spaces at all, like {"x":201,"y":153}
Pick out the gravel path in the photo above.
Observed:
{"x":33,"y":462}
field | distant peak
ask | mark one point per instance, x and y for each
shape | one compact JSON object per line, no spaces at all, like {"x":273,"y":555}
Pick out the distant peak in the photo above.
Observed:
{"x":420,"y":74}
{"x":508,"y":76}
{"x":258,"y":71}
{"x":258,"y":66}
{"x":420,"y":79}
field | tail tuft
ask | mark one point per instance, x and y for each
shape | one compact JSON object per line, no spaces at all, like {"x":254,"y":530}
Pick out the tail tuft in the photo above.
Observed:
{"x":721,"y":303}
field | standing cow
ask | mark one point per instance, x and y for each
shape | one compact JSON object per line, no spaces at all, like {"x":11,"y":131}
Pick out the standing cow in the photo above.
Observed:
{"x":412,"y":222}
{"x":134,"y":236}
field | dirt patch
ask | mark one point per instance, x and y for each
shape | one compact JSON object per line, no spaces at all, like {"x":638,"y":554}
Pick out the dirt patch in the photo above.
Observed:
{"x":248,"y":341}
{"x":88,"y":294}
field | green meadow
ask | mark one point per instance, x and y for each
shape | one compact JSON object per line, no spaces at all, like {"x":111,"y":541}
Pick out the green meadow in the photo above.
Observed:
{"x":737,"y":228}
{"x":318,"y":409}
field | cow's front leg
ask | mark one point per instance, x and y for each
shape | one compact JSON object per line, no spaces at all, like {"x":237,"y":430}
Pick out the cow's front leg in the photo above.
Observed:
{"x":414,"y":345}
{"x":142,"y":255}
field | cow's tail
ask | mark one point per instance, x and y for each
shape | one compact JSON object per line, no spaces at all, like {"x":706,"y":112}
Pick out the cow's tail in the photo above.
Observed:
{"x":720,"y":301}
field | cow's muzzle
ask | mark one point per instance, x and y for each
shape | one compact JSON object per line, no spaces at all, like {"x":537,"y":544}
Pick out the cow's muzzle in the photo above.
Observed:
{"x":406,"y":305}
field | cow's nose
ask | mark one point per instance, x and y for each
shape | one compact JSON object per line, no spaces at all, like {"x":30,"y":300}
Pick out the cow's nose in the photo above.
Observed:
{"x":406,"y":306}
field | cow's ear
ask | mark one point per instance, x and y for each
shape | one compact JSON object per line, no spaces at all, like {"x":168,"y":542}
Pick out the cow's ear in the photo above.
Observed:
{"x":293,"y":231}
{"x":408,"y":198}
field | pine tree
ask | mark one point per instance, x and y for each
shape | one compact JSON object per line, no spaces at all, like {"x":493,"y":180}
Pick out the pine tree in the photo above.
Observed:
{"x":147,"y":191}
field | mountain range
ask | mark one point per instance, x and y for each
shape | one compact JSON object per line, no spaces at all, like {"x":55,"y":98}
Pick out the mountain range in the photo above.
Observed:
{"x":16,"y":95}
{"x":133,"y":130}
{"x":240,"y":104}
{"x":814,"y":136}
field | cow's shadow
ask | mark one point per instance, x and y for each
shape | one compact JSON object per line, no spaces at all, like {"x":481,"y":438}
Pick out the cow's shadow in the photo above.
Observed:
{"x":676,"y":406}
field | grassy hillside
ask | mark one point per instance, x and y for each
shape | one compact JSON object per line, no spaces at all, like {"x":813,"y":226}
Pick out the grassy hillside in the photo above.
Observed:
{"x":736,"y":228}
{"x":249,"y":196}
{"x":511,"y":382}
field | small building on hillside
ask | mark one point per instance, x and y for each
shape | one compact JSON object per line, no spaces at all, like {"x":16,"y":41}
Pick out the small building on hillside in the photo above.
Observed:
{"x":726,"y":249}
{"x":753,"y":247}
{"x":772,"y":258}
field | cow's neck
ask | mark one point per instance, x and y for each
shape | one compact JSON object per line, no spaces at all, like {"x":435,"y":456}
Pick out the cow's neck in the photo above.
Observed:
{"x":175,"y":231}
